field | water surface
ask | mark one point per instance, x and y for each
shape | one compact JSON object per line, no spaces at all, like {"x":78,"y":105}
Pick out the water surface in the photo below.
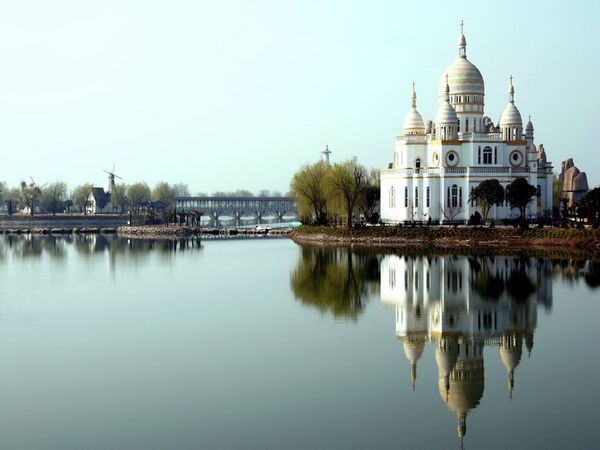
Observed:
{"x":260,"y":343}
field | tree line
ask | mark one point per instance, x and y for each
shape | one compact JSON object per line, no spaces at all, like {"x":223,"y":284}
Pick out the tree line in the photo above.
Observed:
{"x":336,"y":193}
{"x":56,"y":197}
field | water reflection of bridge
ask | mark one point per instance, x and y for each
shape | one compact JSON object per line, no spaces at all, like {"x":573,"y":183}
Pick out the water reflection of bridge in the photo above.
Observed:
{"x":240,"y":207}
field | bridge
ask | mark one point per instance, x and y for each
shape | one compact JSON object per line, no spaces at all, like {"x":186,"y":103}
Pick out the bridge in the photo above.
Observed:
{"x":239,"y":207}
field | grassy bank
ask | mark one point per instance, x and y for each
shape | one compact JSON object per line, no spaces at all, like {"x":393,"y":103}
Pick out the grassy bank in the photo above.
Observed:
{"x":451,"y":237}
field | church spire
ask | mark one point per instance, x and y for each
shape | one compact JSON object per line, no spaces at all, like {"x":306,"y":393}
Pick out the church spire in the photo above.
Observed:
{"x":413,"y":97}
{"x":462,"y":41}
{"x":511,"y":91}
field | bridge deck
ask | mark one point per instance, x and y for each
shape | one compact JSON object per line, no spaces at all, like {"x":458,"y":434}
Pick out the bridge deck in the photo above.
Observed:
{"x":239,"y":206}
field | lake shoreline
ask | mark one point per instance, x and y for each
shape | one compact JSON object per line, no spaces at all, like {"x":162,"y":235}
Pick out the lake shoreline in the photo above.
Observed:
{"x":466,"y":239}
{"x":177,"y":232}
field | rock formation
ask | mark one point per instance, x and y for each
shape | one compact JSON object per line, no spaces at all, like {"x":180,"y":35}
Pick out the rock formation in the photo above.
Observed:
{"x":574,"y":182}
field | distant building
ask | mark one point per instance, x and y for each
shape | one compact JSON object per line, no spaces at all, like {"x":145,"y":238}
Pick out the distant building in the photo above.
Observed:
{"x":436,"y":165}
{"x":99,"y":202}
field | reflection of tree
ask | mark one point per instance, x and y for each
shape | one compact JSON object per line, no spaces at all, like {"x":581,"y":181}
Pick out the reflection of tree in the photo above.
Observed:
{"x":592,"y":275}
{"x":486,"y":282}
{"x":86,"y":245}
{"x":337,"y":281}
{"x":32,"y":246}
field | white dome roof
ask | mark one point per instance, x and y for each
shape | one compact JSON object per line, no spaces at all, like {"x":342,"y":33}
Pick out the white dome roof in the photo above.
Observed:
{"x":446,"y":114}
{"x":414,"y":122}
{"x":510,"y":116}
{"x":529,"y":126}
{"x":463,"y":78}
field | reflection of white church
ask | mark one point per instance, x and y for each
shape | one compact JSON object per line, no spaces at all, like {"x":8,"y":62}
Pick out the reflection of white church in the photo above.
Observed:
{"x":436,"y":165}
{"x":460,"y":306}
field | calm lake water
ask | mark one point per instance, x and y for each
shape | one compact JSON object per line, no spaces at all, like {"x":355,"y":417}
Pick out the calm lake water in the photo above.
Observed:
{"x":263,"y":344}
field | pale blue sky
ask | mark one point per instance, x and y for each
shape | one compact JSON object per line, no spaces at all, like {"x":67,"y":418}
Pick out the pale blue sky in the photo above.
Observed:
{"x":238,"y":94}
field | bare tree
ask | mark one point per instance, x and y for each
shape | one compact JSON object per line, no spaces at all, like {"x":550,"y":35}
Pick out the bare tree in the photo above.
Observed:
{"x":348,"y":183}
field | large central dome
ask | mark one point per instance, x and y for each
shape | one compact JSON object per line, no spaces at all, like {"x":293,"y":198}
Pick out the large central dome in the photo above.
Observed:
{"x":463,"y":76}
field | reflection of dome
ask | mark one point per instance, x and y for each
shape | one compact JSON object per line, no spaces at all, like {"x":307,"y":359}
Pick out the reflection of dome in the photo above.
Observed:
{"x":511,"y":349}
{"x":463,"y":395}
{"x":446,"y":353}
{"x":464,"y":390}
{"x":413,"y":351}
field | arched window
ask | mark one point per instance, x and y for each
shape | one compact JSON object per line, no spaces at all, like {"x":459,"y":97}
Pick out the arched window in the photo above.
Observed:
{"x":418,"y":163}
{"x":495,"y":155}
{"x":454,"y":196}
{"x":427,"y":196}
{"x":449,"y":198}
{"x":406,"y":197}
{"x":479,"y":155}
{"x":392,"y":197}
{"x":467,"y":122}
{"x":487,"y":155}
{"x":460,"y":197}
{"x":416,"y":197}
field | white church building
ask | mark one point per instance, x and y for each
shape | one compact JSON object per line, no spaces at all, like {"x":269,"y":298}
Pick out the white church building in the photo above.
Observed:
{"x":436,"y":165}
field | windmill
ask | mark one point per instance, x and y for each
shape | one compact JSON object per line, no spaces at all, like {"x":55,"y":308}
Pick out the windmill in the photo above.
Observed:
{"x":35,"y":186}
{"x":31,"y":191}
{"x":111,"y":179}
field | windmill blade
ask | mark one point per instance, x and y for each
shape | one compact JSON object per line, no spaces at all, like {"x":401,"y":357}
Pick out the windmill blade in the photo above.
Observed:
{"x":110,"y":173}
{"x":117,"y":176}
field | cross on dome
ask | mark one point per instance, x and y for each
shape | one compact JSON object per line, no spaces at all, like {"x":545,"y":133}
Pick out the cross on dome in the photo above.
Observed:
{"x":462,"y":41}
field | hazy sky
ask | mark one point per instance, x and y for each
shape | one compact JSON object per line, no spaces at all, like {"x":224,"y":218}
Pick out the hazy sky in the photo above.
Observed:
{"x":240,"y":93}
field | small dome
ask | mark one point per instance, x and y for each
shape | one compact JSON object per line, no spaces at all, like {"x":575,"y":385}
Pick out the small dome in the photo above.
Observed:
{"x":529,"y":126}
{"x":413,"y":123}
{"x":446,"y":114}
{"x":510,"y":116}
